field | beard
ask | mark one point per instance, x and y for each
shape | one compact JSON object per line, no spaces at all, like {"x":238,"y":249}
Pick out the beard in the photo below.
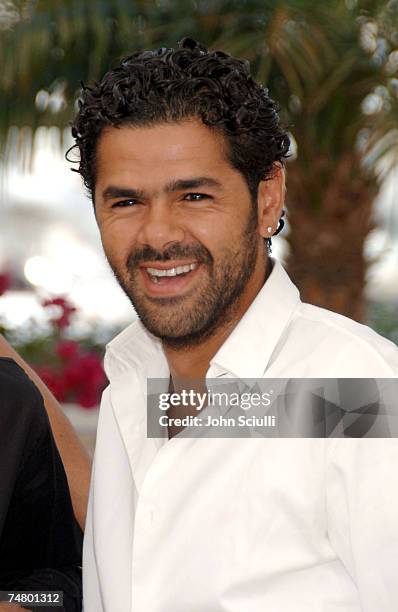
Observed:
{"x":189,"y":319}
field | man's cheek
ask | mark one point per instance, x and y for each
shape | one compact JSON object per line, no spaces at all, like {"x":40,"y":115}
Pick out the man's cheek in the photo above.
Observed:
{"x":114,"y":245}
{"x":113,"y":256}
{"x":108,"y":250}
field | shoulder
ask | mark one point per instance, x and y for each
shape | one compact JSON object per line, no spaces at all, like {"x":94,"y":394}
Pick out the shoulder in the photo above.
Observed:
{"x":349,"y":348}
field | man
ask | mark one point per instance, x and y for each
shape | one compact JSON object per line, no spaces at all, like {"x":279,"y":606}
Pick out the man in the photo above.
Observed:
{"x":183,"y":155}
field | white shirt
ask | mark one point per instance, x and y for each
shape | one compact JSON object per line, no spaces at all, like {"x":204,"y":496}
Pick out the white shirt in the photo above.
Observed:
{"x":244,"y":525}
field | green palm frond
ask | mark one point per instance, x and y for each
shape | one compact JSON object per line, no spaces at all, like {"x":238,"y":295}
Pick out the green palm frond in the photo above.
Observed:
{"x":318,"y":59}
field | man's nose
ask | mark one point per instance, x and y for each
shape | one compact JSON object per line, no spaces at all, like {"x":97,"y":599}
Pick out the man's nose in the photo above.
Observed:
{"x":160,"y":226}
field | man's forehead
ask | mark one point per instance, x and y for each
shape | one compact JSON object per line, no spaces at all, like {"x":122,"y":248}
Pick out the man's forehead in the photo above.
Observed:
{"x":185,"y":140}
{"x":161,"y":157}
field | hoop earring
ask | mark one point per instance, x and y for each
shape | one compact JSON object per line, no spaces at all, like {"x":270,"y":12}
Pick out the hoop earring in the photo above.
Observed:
{"x":281,"y":224}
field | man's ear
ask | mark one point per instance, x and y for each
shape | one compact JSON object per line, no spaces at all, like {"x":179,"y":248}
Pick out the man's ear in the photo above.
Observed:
{"x":270,"y":201}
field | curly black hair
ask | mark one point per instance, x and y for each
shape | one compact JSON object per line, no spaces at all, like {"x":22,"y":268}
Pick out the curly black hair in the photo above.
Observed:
{"x":167,"y":85}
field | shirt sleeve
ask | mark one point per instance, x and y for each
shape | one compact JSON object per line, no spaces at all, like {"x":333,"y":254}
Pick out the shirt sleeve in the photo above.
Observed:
{"x":362,"y":510}
{"x":40,"y":539}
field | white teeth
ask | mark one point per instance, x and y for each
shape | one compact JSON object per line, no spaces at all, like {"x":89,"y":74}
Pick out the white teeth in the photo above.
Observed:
{"x":155,"y":272}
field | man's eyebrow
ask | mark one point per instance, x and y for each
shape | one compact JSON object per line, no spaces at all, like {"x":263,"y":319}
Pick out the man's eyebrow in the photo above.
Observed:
{"x":112,"y":191}
{"x":193,"y":183}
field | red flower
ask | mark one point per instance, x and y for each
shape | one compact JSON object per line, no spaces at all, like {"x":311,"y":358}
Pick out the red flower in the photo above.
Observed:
{"x":54,"y":382}
{"x":77,"y":375}
{"x":5,"y":282}
{"x":67,"y":350}
{"x":63,"y":311}
{"x":85,"y":378}
{"x":88,"y":399}
{"x":74,"y":374}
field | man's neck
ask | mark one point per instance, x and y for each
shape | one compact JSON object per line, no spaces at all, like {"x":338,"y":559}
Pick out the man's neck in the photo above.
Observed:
{"x":193,"y":362}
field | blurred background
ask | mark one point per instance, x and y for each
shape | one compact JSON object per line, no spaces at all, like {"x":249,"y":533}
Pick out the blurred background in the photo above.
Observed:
{"x":333,"y":68}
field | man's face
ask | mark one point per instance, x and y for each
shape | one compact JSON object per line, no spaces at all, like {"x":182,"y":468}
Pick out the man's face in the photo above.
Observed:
{"x":178,"y":227}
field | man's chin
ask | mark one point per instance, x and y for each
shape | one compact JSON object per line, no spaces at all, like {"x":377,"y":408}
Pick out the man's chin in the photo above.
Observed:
{"x":178,"y":337}
{"x":167,"y":333}
{"x":169,"y":317}
{"x":172,"y":332}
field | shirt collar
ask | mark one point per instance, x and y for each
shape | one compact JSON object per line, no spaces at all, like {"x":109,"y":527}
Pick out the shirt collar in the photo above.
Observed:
{"x":135,"y":348}
{"x":245,"y":353}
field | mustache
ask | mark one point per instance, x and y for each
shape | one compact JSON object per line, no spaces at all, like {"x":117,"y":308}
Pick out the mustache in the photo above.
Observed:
{"x":175,"y":251}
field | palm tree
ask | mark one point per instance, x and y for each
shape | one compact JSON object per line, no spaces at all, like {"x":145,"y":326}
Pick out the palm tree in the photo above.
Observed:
{"x":344,"y":113}
{"x":332,"y":66}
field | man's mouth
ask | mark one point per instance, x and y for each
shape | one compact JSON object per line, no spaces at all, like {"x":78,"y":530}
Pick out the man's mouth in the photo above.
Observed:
{"x":169,"y":279}
{"x":157,"y":274}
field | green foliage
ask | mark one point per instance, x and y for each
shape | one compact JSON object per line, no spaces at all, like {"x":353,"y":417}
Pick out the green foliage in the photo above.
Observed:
{"x":331,"y":65}
{"x":383,"y":318}
{"x":320,"y":59}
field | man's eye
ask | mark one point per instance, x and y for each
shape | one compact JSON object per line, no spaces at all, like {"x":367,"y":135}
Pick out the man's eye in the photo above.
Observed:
{"x":195,"y":197}
{"x":124,"y":203}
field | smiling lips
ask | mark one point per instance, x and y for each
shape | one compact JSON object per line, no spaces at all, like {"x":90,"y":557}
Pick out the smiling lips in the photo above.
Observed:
{"x":157,"y":273}
{"x":169,"y":280}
